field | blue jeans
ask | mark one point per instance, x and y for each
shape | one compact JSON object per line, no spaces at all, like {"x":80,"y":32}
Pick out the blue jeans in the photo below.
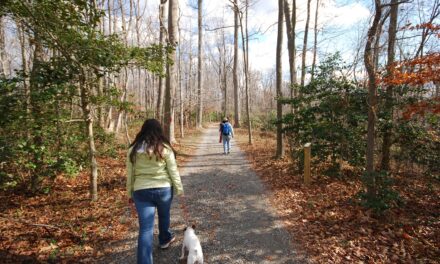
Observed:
{"x":146,"y":201}
{"x":226,"y":143}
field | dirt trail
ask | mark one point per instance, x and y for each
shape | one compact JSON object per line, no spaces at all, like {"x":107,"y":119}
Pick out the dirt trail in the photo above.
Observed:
{"x":229,"y":205}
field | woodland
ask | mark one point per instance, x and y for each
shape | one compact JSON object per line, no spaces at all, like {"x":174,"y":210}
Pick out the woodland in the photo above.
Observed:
{"x":78,"y":77}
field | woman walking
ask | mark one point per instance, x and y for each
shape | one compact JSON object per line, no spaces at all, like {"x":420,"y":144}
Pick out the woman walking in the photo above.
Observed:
{"x":152,"y":180}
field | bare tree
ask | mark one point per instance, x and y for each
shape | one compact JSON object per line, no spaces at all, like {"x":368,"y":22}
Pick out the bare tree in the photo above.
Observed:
{"x":162,"y":36}
{"x":304,"y":51}
{"x":435,"y":12}
{"x":392,"y":29}
{"x":245,"y":45}
{"x":171,"y":82}
{"x":181,"y":104}
{"x":200,"y":68}
{"x":235,"y":68}
{"x":372,"y":96}
{"x":315,"y":41}
{"x":291,"y":46}
{"x":279,"y":80}
{"x":5,"y":68}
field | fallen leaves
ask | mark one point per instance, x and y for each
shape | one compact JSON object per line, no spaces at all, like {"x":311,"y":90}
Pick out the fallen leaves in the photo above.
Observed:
{"x":64,"y":225}
{"x":326,"y":222}
{"x":82,"y":230}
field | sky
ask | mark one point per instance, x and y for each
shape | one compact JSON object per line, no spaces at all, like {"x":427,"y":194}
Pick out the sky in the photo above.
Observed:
{"x":339,"y":23}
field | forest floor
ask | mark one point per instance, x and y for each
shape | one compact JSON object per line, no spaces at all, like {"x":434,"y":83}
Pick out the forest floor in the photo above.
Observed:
{"x":329,"y":222}
{"x":325,"y":221}
{"x":64,"y":225}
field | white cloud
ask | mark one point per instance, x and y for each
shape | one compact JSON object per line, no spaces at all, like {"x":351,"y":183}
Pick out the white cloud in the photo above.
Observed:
{"x":331,"y":15}
{"x":263,"y":16}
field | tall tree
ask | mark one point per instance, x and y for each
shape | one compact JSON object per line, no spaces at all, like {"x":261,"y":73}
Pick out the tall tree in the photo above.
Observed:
{"x":279,"y":80}
{"x":200,"y":68}
{"x":372,"y":97}
{"x":245,"y":45}
{"x":315,"y":41}
{"x":235,"y":67}
{"x":304,"y":50}
{"x":181,"y":103}
{"x":225,"y":65}
{"x":171,"y":82}
{"x":291,"y":45}
{"x":4,"y":61}
{"x":392,"y":30}
{"x":162,"y":37}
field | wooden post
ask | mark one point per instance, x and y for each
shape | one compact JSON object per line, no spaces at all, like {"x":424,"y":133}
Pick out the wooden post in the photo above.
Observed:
{"x":307,"y":154}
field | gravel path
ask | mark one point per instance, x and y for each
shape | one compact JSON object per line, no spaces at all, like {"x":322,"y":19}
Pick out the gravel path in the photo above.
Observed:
{"x":229,"y":205}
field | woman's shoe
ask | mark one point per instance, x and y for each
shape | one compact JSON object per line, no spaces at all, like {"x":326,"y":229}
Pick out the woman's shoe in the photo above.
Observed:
{"x":166,"y":245}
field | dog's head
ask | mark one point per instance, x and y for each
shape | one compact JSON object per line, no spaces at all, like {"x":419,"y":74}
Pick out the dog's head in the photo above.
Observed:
{"x":190,"y":228}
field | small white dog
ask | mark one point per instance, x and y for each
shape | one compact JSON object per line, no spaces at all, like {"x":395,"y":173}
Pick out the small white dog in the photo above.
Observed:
{"x":192,"y":243}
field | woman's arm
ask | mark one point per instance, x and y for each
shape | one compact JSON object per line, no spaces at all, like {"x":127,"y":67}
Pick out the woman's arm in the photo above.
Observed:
{"x":173,"y":172}
{"x":129,"y":167}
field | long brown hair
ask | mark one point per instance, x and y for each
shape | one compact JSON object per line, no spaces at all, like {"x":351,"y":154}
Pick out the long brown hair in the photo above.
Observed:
{"x":153,"y":137}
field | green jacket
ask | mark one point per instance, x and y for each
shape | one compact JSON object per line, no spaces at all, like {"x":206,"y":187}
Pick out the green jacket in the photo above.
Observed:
{"x":149,"y":173}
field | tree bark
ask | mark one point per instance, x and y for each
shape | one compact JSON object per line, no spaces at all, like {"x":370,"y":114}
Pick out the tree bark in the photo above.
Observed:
{"x":5,"y":68}
{"x":22,"y":39}
{"x":162,"y":36}
{"x":315,"y":41}
{"x":245,"y":41}
{"x":372,"y":98}
{"x":392,"y":30}
{"x":88,"y":119}
{"x":181,"y":103}
{"x":291,"y":45}
{"x":304,"y":51}
{"x":279,"y":80}
{"x":225,"y":75}
{"x":235,"y":68}
{"x":199,"y":120}
{"x":171,"y":71}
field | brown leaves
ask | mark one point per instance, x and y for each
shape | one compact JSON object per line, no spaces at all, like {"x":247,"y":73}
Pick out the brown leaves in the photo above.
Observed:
{"x":84,"y":229}
{"x":330,"y":227}
{"x":417,"y":71}
{"x":76,"y":226}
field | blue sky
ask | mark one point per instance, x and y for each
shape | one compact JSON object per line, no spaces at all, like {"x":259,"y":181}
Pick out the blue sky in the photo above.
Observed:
{"x":341,"y":21}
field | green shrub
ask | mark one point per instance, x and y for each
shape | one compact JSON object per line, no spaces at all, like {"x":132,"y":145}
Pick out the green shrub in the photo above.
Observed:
{"x":331,"y":114}
{"x":383,"y":196}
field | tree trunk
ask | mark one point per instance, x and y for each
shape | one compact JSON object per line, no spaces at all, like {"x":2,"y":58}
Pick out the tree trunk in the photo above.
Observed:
{"x":372,"y":98}
{"x":189,"y":84}
{"x":279,"y":80}
{"x":161,"y":90}
{"x":315,"y":42}
{"x":181,"y":105}
{"x":200,"y":68}
{"x":171,"y":71}
{"x":244,"y":39}
{"x":88,"y":119}
{"x":37,"y":126}
{"x":304,"y":51}
{"x":225,"y":75}
{"x":235,"y":69}
{"x":5,"y":68}
{"x":22,"y":39}
{"x":291,"y":46}
{"x":392,"y":29}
